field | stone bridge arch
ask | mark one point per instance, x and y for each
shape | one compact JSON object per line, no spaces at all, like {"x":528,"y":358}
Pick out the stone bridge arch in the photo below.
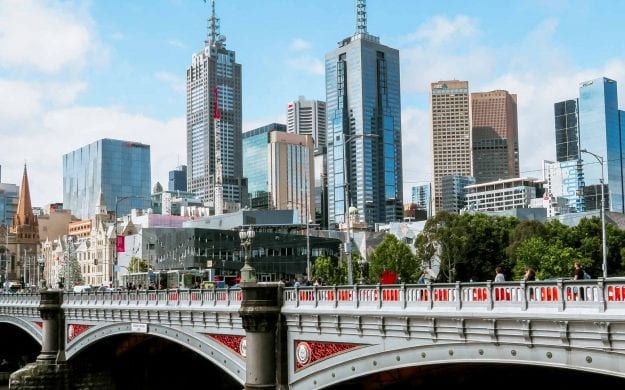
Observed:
{"x":208,"y":346}
{"x":34,"y":329}
{"x":373,"y":359}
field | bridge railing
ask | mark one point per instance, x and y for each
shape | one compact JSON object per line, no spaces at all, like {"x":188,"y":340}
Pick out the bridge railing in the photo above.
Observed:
{"x":176,"y":297}
{"x":603,"y":294}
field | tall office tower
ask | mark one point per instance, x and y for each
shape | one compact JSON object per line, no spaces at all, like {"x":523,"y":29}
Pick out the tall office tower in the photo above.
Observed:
{"x":422,"y":198}
{"x":9,"y":196}
{"x":114,"y":168}
{"x":600,"y":133}
{"x":567,"y":130}
{"x":178,"y":179}
{"x":495,"y":136}
{"x":308,"y":117}
{"x":364,"y":128}
{"x":291,"y":173}
{"x":451,"y":133}
{"x":214,"y":102}
{"x":256,"y":163}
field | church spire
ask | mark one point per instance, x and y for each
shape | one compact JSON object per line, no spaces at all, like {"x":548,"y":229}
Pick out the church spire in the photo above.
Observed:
{"x":25,"y":225}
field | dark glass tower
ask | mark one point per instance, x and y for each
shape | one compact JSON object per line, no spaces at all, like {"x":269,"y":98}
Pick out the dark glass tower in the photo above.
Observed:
{"x":364,"y":128}
{"x":567,"y":130}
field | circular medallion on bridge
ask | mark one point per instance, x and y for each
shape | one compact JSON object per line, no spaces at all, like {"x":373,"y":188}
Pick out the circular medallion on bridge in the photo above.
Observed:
{"x":303,"y":353}
{"x":243,"y":347}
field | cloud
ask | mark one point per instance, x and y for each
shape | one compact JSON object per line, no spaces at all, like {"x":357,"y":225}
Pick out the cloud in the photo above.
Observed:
{"x":439,"y":30}
{"x":176,"y":43}
{"x":299,"y":44}
{"x":307,"y":64}
{"x":43,"y":35}
{"x":175,"y":82}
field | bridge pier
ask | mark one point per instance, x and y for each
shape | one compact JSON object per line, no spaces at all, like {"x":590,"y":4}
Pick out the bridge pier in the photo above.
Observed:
{"x":260,"y":314}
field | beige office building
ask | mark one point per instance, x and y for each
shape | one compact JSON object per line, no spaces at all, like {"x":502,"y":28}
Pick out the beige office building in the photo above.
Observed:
{"x":495,"y":137}
{"x":291,"y":173}
{"x":451,"y":133}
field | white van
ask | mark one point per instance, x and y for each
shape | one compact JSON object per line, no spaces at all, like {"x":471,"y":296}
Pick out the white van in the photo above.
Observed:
{"x":82,"y":289}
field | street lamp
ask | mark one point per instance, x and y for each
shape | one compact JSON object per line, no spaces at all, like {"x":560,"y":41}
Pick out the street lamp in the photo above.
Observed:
{"x":248,"y":274}
{"x":604,"y":252}
{"x":308,"y":222}
{"x":346,"y":216}
{"x":41,"y":261}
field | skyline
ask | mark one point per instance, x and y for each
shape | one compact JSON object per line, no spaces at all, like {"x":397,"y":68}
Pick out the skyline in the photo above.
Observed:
{"x":118,"y":70}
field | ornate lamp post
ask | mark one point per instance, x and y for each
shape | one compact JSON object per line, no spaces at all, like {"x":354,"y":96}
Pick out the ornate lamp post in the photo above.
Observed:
{"x":248,"y":273}
{"x":604,"y":251}
{"x":41,"y":262}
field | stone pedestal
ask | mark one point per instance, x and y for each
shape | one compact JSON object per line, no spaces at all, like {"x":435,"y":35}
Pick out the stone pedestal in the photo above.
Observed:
{"x":260,"y":314}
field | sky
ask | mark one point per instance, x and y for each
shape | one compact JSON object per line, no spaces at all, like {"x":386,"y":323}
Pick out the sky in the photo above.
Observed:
{"x":73,"y":72}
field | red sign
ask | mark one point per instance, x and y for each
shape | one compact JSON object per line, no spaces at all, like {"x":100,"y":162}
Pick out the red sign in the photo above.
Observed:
{"x":120,"y":244}
{"x":388,"y":277}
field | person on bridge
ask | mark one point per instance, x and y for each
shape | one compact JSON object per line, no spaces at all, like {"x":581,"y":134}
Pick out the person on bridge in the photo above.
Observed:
{"x":530,"y":275}
{"x":579,"y":275}
{"x":499,"y":276}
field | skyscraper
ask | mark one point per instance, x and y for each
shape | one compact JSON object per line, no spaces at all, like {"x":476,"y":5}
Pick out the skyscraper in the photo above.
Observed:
{"x":178,"y":179}
{"x":291,"y":172}
{"x":600,"y":133}
{"x":451,"y":133}
{"x":567,"y":130}
{"x":422,"y":198}
{"x":364,"y":128}
{"x":256,"y":163}
{"x":308,"y":117}
{"x":214,"y":103}
{"x":111,"y":167}
{"x":495,"y":136}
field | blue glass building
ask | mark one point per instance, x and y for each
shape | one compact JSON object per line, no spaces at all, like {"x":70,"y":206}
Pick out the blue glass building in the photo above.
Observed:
{"x":9,"y":197}
{"x":112,"y":167}
{"x":178,"y":179}
{"x":600,"y":133}
{"x":364,"y":128}
{"x":422,"y":197}
{"x":255,"y":163}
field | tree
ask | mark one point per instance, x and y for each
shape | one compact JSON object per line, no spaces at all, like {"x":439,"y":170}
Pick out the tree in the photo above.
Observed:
{"x":394,"y":255}
{"x":137,"y":264}
{"x":331,"y":271}
{"x":71,"y":268}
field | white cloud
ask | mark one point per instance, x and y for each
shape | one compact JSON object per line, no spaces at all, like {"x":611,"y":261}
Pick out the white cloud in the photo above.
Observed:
{"x":43,"y":35}
{"x":175,"y":82}
{"x":299,"y":44}
{"x":307,"y":64}
{"x":176,"y":43}
{"x":440,"y":29}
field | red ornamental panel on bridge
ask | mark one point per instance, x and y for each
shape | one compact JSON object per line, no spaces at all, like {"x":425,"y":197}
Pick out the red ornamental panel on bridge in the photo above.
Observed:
{"x":237,"y":344}
{"x":73,"y":330}
{"x":308,"y":352}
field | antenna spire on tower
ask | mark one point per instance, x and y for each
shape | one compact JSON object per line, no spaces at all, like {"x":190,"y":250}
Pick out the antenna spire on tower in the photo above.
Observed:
{"x":213,"y":36}
{"x":361,"y":16}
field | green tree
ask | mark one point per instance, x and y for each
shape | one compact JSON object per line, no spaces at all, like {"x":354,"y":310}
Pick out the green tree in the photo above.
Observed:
{"x":137,"y":264}
{"x":394,"y":255}
{"x":331,"y":271}
{"x":549,"y":259}
{"x":71,"y":268}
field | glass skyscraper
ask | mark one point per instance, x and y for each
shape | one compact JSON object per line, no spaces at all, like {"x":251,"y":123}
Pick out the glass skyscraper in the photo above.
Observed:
{"x":214,"y":89}
{"x":567,"y":130}
{"x":364,"y":128}
{"x":110,"y":167}
{"x":600,"y":133}
{"x":422,"y":197}
{"x":9,"y":196}
{"x":178,"y":179}
{"x":256,"y":163}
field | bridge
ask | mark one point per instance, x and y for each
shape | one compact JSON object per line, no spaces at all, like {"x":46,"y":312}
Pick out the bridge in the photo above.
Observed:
{"x":264,"y":335}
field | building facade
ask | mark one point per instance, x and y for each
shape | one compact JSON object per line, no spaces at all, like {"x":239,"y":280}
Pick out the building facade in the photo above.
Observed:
{"x":117,"y":169}
{"x":422,"y":198}
{"x":9,"y":195}
{"x":566,"y":115}
{"x":308,"y":117}
{"x":495,"y":135}
{"x":214,"y":122}
{"x":454,"y":193}
{"x":504,"y":194}
{"x":178,"y":179}
{"x":291,"y":173}
{"x":565,"y":179}
{"x":364,"y":128}
{"x":256,"y":164}
{"x":451,"y":133}
{"x":600,"y":133}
